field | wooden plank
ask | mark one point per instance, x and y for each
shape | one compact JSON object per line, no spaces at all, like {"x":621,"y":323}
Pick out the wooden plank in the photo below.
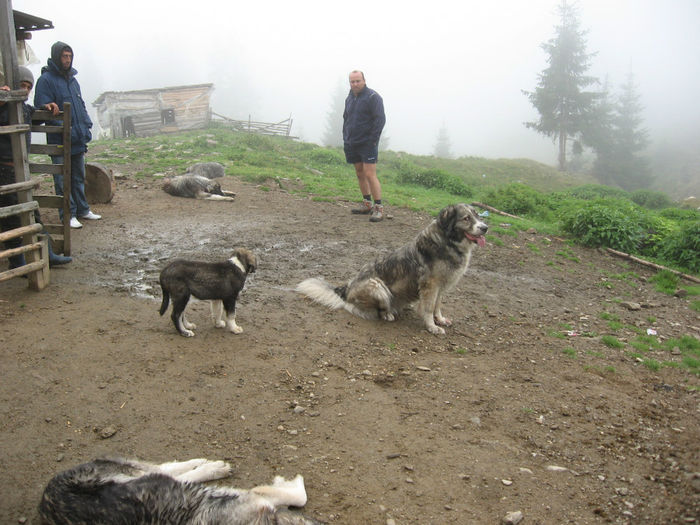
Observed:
{"x":47,"y":129}
{"x":4,"y":254}
{"x":15,"y":128}
{"x":21,"y":231}
{"x":22,"y":270}
{"x":45,"y":114}
{"x":16,"y":209}
{"x":35,"y":167}
{"x":49,"y":201}
{"x":19,"y":186}
{"x":47,"y":149}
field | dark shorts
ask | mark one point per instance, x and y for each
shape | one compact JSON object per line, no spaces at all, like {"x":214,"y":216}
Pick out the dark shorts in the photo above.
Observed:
{"x":365,"y":152}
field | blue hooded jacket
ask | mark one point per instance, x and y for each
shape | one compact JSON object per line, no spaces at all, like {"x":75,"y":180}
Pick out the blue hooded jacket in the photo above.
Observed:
{"x":363,"y":118}
{"x":59,"y":86}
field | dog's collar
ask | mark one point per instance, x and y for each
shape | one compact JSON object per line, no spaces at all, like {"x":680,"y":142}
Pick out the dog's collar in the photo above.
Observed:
{"x":237,"y":263}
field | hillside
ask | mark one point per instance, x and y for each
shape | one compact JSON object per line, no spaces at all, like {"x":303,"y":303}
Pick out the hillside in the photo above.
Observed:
{"x":547,"y":396}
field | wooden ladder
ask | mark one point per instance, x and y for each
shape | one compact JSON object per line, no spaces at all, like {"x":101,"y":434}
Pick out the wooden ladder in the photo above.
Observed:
{"x":60,"y":232}
{"x":33,"y":247}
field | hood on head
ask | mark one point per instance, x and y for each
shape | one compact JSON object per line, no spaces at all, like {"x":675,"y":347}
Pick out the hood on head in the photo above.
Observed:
{"x":56,"y":51}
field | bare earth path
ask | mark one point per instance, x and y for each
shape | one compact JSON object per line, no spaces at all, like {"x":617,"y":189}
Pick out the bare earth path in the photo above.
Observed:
{"x":384,"y":420}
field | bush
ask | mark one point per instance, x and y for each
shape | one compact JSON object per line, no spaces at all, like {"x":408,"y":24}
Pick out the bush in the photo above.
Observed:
{"x":683,"y":247}
{"x":606,"y":222}
{"x":432,"y":178}
{"x":518,"y":199}
{"x":653,"y":200}
{"x":589,"y":192}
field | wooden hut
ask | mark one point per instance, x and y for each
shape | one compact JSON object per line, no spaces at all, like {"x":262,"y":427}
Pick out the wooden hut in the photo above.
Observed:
{"x":152,"y":111}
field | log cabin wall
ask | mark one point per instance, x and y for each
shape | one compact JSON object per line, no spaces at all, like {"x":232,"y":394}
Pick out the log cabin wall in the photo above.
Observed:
{"x":152,"y":111}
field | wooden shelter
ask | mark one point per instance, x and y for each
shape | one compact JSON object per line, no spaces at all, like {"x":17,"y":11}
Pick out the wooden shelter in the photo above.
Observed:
{"x":152,"y":111}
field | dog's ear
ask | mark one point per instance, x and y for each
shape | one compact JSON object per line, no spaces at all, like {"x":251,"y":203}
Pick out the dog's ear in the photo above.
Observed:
{"x":446,"y":219}
{"x":250,"y":264}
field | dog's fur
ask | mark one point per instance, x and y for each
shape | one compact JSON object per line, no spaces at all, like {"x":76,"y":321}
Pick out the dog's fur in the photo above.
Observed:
{"x":113,"y":491}
{"x":196,"y":187}
{"x":210,"y":170}
{"x":419,"y":272}
{"x":218,"y":282}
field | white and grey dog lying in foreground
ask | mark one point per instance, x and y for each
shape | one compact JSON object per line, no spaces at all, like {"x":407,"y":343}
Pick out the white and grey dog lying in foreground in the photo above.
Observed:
{"x":418,"y":273}
{"x":122,"y":491}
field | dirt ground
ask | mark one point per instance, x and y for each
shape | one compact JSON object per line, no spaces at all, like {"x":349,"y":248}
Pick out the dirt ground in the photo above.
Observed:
{"x":387,"y":423}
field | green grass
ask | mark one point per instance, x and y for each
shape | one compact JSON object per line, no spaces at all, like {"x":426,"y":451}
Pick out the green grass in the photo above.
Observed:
{"x":612,"y":341}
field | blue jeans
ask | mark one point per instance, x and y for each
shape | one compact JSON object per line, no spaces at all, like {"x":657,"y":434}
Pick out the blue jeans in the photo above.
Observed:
{"x":78,"y":202}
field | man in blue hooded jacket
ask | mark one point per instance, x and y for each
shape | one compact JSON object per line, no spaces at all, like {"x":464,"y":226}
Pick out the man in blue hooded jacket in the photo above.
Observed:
{"x":58,"y":84}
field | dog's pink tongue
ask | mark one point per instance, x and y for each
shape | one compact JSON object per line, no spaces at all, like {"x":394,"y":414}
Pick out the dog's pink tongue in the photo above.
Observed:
{"x":481,"y":241}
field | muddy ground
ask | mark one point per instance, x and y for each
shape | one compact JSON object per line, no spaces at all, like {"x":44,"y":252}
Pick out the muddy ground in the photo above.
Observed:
{"x":386,"y":422}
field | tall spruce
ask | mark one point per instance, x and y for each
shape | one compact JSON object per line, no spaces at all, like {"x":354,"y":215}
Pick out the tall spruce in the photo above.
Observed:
{"x":333,"y":134}
{"x":443,"y":146}
{"x":564,"y":107}
{"x":620,"y":159}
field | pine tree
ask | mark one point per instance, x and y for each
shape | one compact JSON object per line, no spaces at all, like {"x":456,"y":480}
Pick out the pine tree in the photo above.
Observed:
{"x":333,"y":135}
{"x":618,"y":139}
{"x":443,"y":146}
{"x":559,"y":97}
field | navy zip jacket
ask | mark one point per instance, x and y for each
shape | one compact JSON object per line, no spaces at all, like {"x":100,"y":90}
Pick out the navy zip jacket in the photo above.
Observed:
{"x":56,"y":85}
{"x":363,"y":118}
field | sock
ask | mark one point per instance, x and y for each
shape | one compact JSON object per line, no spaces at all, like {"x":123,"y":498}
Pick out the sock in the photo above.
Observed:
{"x":367,"y":197}
{"x":378,"y":202}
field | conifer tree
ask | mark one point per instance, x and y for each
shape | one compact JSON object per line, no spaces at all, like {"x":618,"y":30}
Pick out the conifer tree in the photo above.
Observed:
{"x":559,"y":98}
{"x":333,"y":134}
{"x":443,"y":146}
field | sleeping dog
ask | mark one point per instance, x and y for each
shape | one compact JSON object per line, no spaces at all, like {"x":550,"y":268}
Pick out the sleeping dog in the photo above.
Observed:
{"x":195,"y":186}
{"x":115,"y":491}
{"x":218,"y":282}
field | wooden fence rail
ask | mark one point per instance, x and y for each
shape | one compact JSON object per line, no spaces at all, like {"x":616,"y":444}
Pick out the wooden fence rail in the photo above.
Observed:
{"x":282,"y":128}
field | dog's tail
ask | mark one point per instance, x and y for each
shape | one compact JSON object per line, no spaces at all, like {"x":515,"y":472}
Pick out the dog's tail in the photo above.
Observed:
{"x":166,"y":301}
{"x":333,"y":297}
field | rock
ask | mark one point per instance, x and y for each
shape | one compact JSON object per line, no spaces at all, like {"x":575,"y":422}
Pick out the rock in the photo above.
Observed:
{"x":555,"y":468}
{"x":631,"y":305}
{"x":513,"y":518}
{"x":108,"y":431}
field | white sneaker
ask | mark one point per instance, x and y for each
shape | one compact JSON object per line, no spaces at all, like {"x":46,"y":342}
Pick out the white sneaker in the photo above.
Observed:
{"x":75,"y":223}
{"x":91,"y":216}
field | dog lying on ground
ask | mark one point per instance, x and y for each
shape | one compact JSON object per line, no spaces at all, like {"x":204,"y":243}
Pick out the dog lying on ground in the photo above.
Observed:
{"x":196,"y":187}
{"x":418,"y":273}
{"x":117,"y":491}
{"x":218,"y":282}
{"x":210,"y":170}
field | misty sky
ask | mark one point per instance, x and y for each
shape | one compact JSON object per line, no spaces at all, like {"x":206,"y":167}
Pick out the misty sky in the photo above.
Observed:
{"x":463,"y":64}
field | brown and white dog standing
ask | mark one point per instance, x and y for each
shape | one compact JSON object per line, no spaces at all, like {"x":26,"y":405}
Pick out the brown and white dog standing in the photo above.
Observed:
{"x":218,"y":282}
{"x":418,"y":273}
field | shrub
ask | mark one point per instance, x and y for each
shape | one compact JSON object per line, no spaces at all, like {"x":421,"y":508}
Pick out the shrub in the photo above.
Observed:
{"x":653,"y":200}
{"x":610,"y":223}
{"x":518,"y":199}
{"x":683,"y":247}
{"x":589,"y":192}
{"x":432,"y":178}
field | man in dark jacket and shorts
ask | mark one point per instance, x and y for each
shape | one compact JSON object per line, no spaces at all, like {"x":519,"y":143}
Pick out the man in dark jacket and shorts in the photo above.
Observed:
{"x":363,"y":121}
{"x":58,"y":84}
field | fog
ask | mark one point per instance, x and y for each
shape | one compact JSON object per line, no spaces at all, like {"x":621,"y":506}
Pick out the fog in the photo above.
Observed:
{"x":461,"y":64}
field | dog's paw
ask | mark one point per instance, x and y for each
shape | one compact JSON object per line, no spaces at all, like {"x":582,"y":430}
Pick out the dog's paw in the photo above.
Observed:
{"x":434,"y":329}
{"x":443,"y":321}
{"x":236,"y":329}
{"x":220,"y":324}
{"x":189,"y":326}
{"x":187,"y":333}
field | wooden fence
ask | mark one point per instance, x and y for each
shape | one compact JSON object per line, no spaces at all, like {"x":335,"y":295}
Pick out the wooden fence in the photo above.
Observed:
{"x":282,"y":128}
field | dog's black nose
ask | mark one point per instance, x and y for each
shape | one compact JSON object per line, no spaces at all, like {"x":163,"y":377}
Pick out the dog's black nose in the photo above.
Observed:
{"x":484,"y":228}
